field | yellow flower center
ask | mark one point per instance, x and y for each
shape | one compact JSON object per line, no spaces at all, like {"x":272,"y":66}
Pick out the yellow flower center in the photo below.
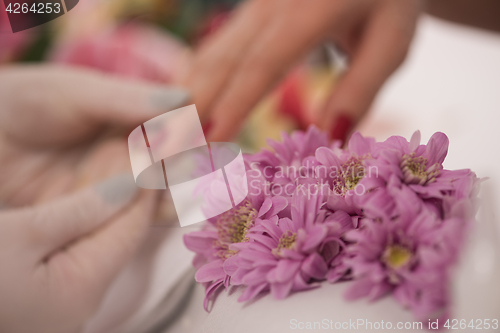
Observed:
{"x":396,"y":256}
{"x":286,"y":241}
{"x":352,"y":171}
{"x":415,"y":170}
{"x":232,"y":227}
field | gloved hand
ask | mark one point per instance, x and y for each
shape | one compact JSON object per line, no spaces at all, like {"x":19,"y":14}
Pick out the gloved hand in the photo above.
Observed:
{"x":62,"y":240}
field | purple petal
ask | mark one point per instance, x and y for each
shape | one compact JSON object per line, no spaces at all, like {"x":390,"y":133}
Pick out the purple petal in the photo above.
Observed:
{"x":286,"y":224}
{"x":327,"y":157}
{"x":237,"y":277}
{"x":200,"y":241}
{"x":252,"y":291}
{"x":414,"y":141}
{"x":256,"y":276}
{"x":210,"y":272}
{"x":379,"y":290}
{"x":336,"y":202}
{"x":437,"y":148}
{"x":291,"y":254}
{"x":230,"y":265}
{"x":336,"y":273}
{"x":314,"y":237}
{"x":358,"y":289}
{"x":284,"y":271}
{"x":266,"y":205}
{"x":281,"y":290}
{"x":359,"y":145}
{"x":278,"y":204}
{"x":272,"y":229}
{"x":254,"y":256}
{"x":210,"y":293}
{"x":315,"y":266}
{"x":265,"y":240}
{"x":299,"y":284}
{"x":341,"y":218}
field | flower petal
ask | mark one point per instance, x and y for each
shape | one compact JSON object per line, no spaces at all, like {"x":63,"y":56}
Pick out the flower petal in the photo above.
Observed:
{"x":358,"y":289}
{"x":437,"y":148}
{"x":314,"y":266}
{"x":266,"y":205}
{"x":327,"y":157}
{"x":314,"y":237}
{"x":414,"y":141}
{"x":210,"y":293}
{"x":200,"y":241}
{"x":210,"y":272}
{"x":251,"y":291}
{"x":285,"y":270}
{"x":281,"y":290}
{"x":359,"y":145}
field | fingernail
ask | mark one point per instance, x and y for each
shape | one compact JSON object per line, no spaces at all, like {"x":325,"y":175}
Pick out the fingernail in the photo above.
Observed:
{"x":206,"y":127}
{"x":118,"y":189}
{"x":167,"y":99}
{"x":341,"y":127}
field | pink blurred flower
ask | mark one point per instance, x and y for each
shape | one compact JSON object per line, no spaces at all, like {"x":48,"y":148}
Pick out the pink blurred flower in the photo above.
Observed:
{"x":409,"y":255}
{"x":291,"y":162}
{"x":131,"y":50}
{"x":12,"y":44}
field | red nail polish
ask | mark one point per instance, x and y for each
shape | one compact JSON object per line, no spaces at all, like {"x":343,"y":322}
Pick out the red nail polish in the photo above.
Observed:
{"x":206,"y":127}
{"x":341,"y":127}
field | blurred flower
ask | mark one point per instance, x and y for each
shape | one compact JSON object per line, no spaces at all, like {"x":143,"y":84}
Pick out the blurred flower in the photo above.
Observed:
{"x":12,"y":43}
{"x":289,"y":164}
{"x":131,"y":50}
{"x":412,"y":260}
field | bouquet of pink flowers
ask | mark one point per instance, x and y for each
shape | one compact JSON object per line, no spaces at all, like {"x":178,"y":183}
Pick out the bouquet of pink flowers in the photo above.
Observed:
{"x":385,"y":215}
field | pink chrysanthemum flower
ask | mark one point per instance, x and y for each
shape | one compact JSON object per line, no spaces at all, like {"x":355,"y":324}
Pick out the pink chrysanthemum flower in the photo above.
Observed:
{"x":212,"y":244}
{"x":291,"y":162}
{"x":419,"y":166}
{"x":409,"y":255}
{"x":343,"y":170}
{"x":288,"y":254}
{"x":386,"y":215}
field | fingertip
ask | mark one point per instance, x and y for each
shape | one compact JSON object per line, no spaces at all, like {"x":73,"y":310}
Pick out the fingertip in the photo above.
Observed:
{"x":117,"y":190}
{"x":167,"y":99}
{"x":207,"y":126}
{"x":341,"y":126}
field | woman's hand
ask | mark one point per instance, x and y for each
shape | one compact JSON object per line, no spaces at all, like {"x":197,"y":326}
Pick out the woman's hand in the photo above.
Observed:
{"x":62,"y":242}
{"x":58,"y":259}
{"x":56,"y":128}
{"x":264,"y":39}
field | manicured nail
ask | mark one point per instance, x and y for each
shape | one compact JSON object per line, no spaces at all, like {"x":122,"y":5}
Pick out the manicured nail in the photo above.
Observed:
{"x":118,"y":189}
{"x":206,"y":127}
{"x":168,"y":99}
{"x":341,"y":127}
